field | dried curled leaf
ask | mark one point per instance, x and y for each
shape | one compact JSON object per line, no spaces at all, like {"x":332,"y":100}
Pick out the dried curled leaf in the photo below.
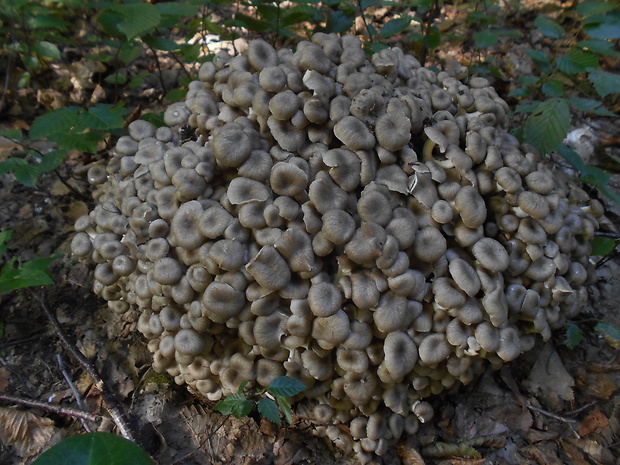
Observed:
{"x":26,"y":432}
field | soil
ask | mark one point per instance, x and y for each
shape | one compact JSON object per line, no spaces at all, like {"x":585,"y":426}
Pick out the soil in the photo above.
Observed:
{"x":552,"y":406}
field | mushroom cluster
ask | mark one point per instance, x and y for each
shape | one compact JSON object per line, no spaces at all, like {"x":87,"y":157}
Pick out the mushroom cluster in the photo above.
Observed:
{"x":364,"y":226}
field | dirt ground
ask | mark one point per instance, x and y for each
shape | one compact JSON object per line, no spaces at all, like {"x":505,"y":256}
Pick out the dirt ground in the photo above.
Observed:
{"x":552,"y":406}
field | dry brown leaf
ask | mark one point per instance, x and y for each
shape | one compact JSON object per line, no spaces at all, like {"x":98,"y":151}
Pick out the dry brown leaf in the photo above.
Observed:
{"x":543,"y":454}
{"x":26,"y":432}
{"x":549,"y":379}
{"x":409,"y":454}
{"x":600,"y":385}
{"x":4,"y":379}
{"x":572,"y":454}
{"x":596,"y":452}
{"x":593,"y":421}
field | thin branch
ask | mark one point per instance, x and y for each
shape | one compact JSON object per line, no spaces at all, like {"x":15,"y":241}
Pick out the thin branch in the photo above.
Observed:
{"x":159,"y":72}
{"x":71,"y":412}
{"x":76,"y":393}
{"x":7,"y":78}
{"x":112,"y":405}
{"x":370,"y":37}
{"x":8,"y":344}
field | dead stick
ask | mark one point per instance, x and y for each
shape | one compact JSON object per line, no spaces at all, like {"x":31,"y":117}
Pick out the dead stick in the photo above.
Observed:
{"x":551,"y":414}
{"x":112,"y":405}
{"x":72,"y":412}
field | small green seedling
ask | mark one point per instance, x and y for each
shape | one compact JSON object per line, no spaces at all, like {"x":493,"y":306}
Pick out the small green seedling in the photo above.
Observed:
{"x":271,"y":401}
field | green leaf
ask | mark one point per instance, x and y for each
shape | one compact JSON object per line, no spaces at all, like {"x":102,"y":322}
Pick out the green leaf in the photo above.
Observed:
{"x":138,"y":18}
{"x":253,"y":24}
{"x":285,"y":386}
{"x":528,"y":80}
{"x":486,"y":39}
{"x":175,"y":95}
{"x":527,"y":106}
{"x":395,"y":26}
{"x":571,"y":157}
{"x":603,"y":47}
{"x":54,"y":122}
{"x":14,"y":134}
{"x":285,"y":407}
{"x":432,"y":38}
{"x":269,"y":409}
{"x":95,"y":449}
{"x":4,"y":237}
{"x":610,"y":333}
{"x":47,"y":49}
{"x":549,"y":28}
{"x":602,"y":245}
{"x":137,"y":80}
{"x":338,"y":22}
{"x":553,"y":88}
{"x":105,"y":116}
{"x":537,"y":55}
{"x":129,"y":51}
{"x":573,"y":336}
{"x":576,"y":61}
{"x":603,"y":27}
{"x":594,"y":107}
{"x":237,"y":405}
{"x":519,"y":92}
{"x":242,"y":386}
{"x":604,"y":82}
{"x":116,"y":79}
{"x":547,"y":126}
{"x":28,"y":174}
{"x":161,"y":43}
{"x":595,"y":176}
{"x":606,"y":191}
{"x":180,"y":9}
{"x":109,"y":21}
{"x":84,"y":142}
{"x":298,"y":14}
{"x":45,"y":21}
{"x":595,"y":8}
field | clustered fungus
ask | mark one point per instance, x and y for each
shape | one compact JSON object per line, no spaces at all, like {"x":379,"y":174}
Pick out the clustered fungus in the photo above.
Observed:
{"x":364,"y":226}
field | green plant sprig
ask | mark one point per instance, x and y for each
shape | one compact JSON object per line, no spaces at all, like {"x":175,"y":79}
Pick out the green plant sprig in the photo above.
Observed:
{"x":270,"y":401}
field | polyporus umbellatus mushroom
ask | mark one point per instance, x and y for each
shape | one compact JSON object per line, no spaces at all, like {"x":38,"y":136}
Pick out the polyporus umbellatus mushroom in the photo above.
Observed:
{"x":364,"y":226}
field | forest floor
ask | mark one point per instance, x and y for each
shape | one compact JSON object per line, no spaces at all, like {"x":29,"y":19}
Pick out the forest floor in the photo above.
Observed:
{"x":552,"y":406}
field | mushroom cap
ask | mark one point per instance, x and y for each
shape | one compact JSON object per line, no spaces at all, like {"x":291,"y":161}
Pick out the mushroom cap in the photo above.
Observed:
{"x":401,"y":354}
{"x":434,"y":349}
{"x":221,"y":302}
{"x":324,"y":299}
{"x":491,"y":254}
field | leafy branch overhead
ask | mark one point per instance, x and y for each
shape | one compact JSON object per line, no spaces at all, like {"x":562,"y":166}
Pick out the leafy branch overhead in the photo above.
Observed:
{"x":270,"y":401}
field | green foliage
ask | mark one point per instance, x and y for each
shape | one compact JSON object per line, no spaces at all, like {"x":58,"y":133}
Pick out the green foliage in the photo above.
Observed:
{"x":270,"y":401}
{"x":16,"y":274}
{"x":574,"y":336}
{"x":95,"y":449}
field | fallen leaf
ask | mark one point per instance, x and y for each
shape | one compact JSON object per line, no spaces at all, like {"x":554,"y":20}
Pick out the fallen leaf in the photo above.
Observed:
{"x":600,"y":385}
{"x":595,"y":451}
{"x":549,"y":379}
{"x":593,"y":421}
{"x":572,"y":454}
{"x":26,"y":432}
{"x":543,"y":454}
{"x":409,"y":454}
{"x":4,"y":379}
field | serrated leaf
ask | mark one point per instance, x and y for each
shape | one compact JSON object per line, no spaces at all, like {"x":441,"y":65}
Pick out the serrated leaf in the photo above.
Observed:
{"x":485,"y":39}
{"x":129,"y":51}
{"x":573,"y":336}
{"x":528,"y":80}
{"x":599,"y":46}
{"x":175,"y":95}
{"x":571,"y":157}
{"x":45,"y":21}
{"x":595,"y":176}
{"x":253,"y":24}
{"x":242,"y":386}
{"x":28,"y":274}
{"x":527,"y":106}
{"x":237,"y":405}
{"x":109,"y":21}
{"x":603,"y":27}
{"x":338,"y":22}
{"x":602,"y":245}
{"x":285,"y":407}
{"x":176,"y":9}
{"x":537,"y":55}
{"x":269,"y":409}
{"x":84,"y":142}
{"x":610,"y":333}
{"x":95,"y":449}
{"x":395,"y":26}
{"x":553,"y":88}
{"x":432,"y":38}
{"x":285,"y":386}
{"x":512,"y":33}
{"x":104,"y":116}
{"x":604,"y":82}
{"x":549,"y":28}
{"x":138,"y":19}
{"x":606,"y":191}
{"x":116,"y":79}
{"x":519,"y":92}
{"x":576,"y":61}
{"x":46,"y":49}
{"x":547,"y":126}
{"x":54,"y":122}
{"x":298,"y":14}
{"x":594,"y":107}
{"x":595,"y":8}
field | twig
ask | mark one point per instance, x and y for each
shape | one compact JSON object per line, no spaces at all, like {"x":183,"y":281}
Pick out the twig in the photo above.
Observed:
{"x":71,"y":412}
{"x":555,"y":416}
{"x":370,"y":37}
{"x":579,"y":410}
{"x":159,"y":72}
{"x":6,"y":345}
{"x":7,"y":79}
{"x":112,"y":405}
{"x":76,"y":393}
